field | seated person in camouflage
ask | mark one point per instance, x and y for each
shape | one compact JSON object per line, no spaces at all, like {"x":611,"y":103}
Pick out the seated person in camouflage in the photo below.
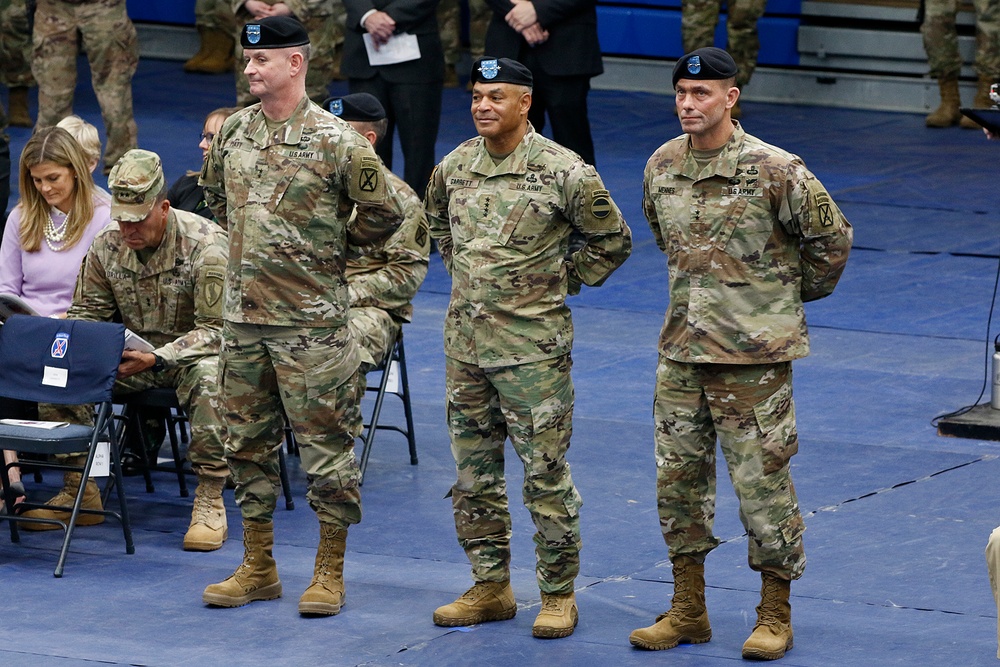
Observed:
{"x":163,"y":270}
{"x":382,"y":283}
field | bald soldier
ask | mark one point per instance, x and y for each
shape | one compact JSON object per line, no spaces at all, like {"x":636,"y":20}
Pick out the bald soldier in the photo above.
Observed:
{"x":750,"y":235}
{"x":162,"y":270}
{"x":502,"y":207}
{"x":296,"y":188}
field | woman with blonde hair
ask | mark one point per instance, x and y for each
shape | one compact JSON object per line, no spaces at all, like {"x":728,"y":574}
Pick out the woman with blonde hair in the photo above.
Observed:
{"x":48,"y":234}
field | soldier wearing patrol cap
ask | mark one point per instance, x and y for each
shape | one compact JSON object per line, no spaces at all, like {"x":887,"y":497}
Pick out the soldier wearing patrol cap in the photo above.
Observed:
{"x":381,"y":283}
{"x":750,"y":234}
{"x":502,"y":207}
{"x":163,"y":270}
{"x":297,"y":189}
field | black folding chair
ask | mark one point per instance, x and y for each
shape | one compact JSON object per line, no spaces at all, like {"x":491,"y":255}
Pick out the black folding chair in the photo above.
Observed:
{"x":65,"y":362}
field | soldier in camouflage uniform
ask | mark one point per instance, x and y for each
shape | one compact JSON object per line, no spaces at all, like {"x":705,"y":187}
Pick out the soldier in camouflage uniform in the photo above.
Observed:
{"x":698,"y":21}
{"x":382,"y":282}
{"x":501,"y":207}
{"x":15,"y":58}
{"x":941,"y":45}
{"x":112,"y":48}
{"x":163,"y":271}
{"x":322,"y":19}
{"x":294,"y":186}
{"x":216,"y":25}
{"x":750,"y":234}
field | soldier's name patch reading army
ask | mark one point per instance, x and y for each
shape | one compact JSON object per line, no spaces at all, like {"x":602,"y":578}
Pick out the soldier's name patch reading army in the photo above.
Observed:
{"x":743,"y":192}
{"x":303,"y":155}
{"x":529,"y":187}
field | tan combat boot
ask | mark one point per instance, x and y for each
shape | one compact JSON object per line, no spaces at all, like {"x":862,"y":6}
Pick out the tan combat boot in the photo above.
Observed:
{"x":325,"y":594}
{"x":486,"y":601}
{"x":557,"y":618}
{"x":66,"y":497}
{"x":981,"y":101}
{"x":257,"y":576}
{"x":208,"y":528}
{"x":947,"y":114}
{"x":218,"y":56}
{"x":687,"y":620}
{"x":194,"y":62}
{"x":19,"y":116}
{"x":772,"y":635}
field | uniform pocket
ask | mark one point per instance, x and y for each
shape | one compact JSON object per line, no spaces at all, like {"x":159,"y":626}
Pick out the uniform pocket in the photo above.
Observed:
{"x":776,"y":420}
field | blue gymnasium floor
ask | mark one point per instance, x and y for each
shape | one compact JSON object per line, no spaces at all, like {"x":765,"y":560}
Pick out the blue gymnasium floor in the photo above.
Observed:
{"x":897,"y":516}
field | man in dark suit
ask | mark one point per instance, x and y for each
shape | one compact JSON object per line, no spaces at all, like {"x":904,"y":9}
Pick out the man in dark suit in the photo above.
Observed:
{"x":410,"y":90}
{"x":557,"y":40}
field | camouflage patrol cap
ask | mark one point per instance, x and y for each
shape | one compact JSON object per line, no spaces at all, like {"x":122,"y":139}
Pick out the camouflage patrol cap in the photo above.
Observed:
{"x":273,"y":32}
{"x":356,"y":107}
{"x":134,"y":183}
{"x":708,"y":63}
{"x":500,"y":70}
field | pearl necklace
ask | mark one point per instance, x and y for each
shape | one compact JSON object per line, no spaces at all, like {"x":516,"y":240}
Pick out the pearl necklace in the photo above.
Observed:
{"x":53,"y":235}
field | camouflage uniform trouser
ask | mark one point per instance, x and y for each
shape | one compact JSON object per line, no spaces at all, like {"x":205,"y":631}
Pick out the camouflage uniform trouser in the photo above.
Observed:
{"x":941,"y":38}
{"x":215,"y":15}
{"x":112,"y":48}
{"x":533,"y":405}
{"x":310,"y":375}
{"x":375,"y":331}
{"x":15,"y":44}
{"x":449,"y":15}
{"x":197,"y":386}
{"x":326,"y":34}
{"x":698,"y":21}
{"x":750,"y":409}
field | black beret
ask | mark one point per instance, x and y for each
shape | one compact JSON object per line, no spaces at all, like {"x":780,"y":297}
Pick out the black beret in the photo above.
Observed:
{"x":357,"y":106}
{"x":273,"y":32}
{"x":500,"y":70}
{"x":708,"y":63}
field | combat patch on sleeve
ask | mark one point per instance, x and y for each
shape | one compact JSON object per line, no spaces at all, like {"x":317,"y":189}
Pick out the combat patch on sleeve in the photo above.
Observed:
{"x":824,"y":209}
{"x":366,"y":185}
{"x":215,"y":280}
{"x":600,"y":213}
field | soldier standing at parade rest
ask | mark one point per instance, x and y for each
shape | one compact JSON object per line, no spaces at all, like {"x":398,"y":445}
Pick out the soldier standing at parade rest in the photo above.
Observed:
{"x":750,"y":234}
{"x":502,"y":207}
{"x":162,"y":270}
{"x":284,"y":177}
{"x":382,"y":283}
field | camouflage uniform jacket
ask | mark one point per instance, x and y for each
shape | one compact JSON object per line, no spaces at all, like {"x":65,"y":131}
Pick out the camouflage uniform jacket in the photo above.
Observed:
{"x":748,"y":238}
{"x":503,"y":230}
{"x":174,"y":301}
{"x":288,"y":201}
{"x":389,"y":276}
{"x":303,"y":10}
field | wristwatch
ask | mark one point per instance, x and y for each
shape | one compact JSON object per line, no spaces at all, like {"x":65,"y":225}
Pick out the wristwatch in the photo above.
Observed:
{"x":158,"y":365}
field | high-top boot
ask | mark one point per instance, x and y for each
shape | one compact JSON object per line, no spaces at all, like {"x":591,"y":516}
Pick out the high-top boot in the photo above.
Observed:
{"x":218,"y":56}
{"x":980,"y":101}
{"x":66,"y":497}
{"x":208,"y":528}
{"x":485,"y":601}
{"x":772,"y":635}
{"x":557,"y":617}
{"x":687,"y":619}
{"x":947,"y":113}
{"x":192,"y":63}
{"x":19,"y":116}
{"x":325,"y":594}
{"x":257,"y":576}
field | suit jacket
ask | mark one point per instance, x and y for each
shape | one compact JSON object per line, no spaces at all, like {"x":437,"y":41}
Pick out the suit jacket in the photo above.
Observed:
{"x":572,"y":47}
{"x":418,"y":17}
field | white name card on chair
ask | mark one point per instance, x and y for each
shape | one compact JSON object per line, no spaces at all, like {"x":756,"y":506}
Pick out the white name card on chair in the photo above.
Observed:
{"x":102,"y":460}
{"x":392,"y":384}
{"x":54,"y":377}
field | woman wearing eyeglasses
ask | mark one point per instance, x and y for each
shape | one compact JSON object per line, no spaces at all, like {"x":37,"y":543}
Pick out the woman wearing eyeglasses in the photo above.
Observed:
{"x":185,"y":193}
